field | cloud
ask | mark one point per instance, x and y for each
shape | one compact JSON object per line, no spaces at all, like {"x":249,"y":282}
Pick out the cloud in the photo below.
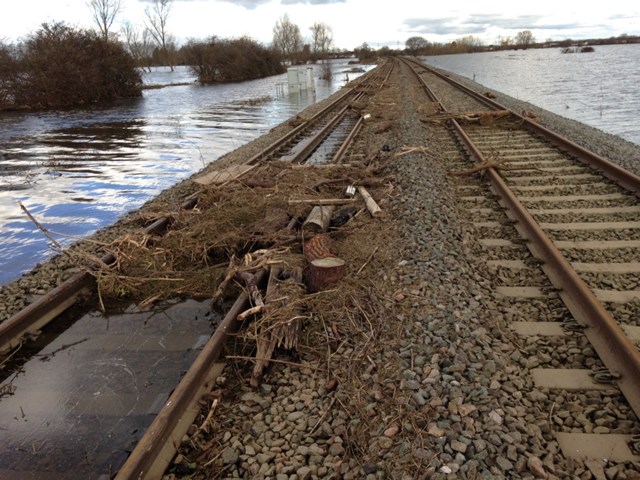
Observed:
{"x":480,"y":23}
{"x":440,"y":26}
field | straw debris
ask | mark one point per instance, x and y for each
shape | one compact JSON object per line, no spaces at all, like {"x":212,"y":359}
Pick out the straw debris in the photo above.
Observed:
{"x":247,"y":225}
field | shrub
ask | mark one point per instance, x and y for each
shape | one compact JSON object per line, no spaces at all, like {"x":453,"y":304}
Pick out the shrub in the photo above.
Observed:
{"x":8,"y":75}
{"x":221,"y":60}
{"x":59,"y":66}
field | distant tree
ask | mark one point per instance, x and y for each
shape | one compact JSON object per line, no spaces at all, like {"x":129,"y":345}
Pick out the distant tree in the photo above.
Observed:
{"x":524,"y":38}
{"x":9,"y":74}
{"x":505,"y":42}
{"x":104,"y":13}
{"x":416,"y":45}
{"x":321,"y":39}
{"x":157,"y":17}
{"x":385,"y":51}
{"x":287,"y":38}
{"x":466,"y":44}
{"x":139,"y":43}
{"x":364,"y":52}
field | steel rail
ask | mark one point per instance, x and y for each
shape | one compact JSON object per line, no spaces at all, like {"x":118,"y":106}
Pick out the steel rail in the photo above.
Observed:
{"x":339,"y":155}
{"x":618,"y":353}
{"x":154,"y":452}
{"x":624,"y":178}
{"x":147,"y":461}
{"x":269,"y":150}
{"x":312,"y":143}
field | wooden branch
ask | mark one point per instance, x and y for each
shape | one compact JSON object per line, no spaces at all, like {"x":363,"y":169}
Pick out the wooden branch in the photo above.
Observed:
{"x":371,"y":204}
{"x":365,"y":182}
{"x":408,"y":150}
{"x":250,"y":280}
{"x":332,"y":181}
{"x":498,"y":165}
{"x":251,"y":311}
{"x":322,"y":165}
{"x":368,"y":260}
{"x":40,"y":227}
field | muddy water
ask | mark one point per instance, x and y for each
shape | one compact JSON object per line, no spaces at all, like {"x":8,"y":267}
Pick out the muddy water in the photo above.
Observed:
{"x":79,"y":170}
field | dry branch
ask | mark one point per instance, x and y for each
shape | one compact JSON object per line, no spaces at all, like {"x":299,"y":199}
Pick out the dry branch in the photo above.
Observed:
{"x":498,"y":165}
{"x":372,"y":206}
{"x":408,"y":150}
{"x":281,"y":324}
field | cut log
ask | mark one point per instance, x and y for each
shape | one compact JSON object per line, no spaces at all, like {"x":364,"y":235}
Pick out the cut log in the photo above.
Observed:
{"x":318,"y":220}
{"x":325,"y":272}
{"x":371,"y":204}
{"x":319,"y":246}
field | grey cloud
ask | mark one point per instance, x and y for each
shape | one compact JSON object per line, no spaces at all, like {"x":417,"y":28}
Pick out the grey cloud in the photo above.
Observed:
{"x":441,"y":26}
{"x":478,"y":24}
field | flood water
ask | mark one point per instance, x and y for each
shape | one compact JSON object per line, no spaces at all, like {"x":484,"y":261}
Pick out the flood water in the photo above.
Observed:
{"x":77,"y":171}
{"x":600,"y":88}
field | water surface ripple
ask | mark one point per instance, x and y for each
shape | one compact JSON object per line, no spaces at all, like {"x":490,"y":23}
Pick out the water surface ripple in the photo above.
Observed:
{"x":600,"y":88}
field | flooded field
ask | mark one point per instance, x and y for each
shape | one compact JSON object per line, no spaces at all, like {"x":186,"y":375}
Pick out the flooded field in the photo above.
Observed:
{"x":598,"y":88}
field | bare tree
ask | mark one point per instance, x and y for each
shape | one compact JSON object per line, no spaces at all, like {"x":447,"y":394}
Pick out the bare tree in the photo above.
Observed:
{"x":321,"y":39}
{"x":104,"y":13}
{"x":505,"y":42}
{"x":157,"y":17}
{"x":139,"y":43}
{"x":287,"y":38}
{"x":468,"y":43}
{"x":525,"y":37}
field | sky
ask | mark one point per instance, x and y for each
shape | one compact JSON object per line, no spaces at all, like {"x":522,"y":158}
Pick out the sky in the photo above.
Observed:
{"x":354,"y":22}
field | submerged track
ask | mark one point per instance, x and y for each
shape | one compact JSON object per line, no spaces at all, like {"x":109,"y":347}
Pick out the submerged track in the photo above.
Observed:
{"x":114,"y":383}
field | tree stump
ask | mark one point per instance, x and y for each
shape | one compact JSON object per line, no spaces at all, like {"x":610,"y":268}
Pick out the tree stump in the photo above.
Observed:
{"x":324,"y":272}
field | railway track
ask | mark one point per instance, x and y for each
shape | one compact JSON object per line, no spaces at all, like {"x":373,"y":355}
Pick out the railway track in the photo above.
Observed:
{"x":559,"y":228}
{"x":553,"y":344}
{"x":132,"y":344}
